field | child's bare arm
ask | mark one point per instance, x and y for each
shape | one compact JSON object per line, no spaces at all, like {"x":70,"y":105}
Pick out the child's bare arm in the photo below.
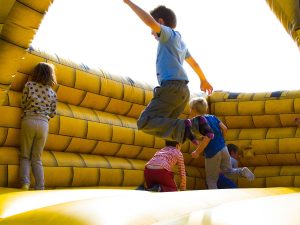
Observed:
{"x":223,"y":129}
{"x":205,"y":85}
{"x":201,"y":147}
{"x":144,"y":16}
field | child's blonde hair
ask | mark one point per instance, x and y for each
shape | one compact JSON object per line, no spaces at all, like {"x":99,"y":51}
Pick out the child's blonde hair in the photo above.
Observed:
{"x":199,"y":105}
{"x":44,"y":73}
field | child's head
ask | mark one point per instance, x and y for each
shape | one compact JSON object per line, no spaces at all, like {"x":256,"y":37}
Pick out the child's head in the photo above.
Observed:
{"x":44,"y":73}
{"x":173,"y":144}
{"x":166,"y":14}
{"x":233,"y":151}
{"x":198,"y":106}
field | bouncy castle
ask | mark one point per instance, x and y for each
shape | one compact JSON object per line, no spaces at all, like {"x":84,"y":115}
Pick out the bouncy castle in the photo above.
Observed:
{"x":94,"y":157}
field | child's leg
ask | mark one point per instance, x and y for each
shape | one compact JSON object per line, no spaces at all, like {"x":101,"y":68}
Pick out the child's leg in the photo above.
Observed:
{"x":160,"y":177}
{"x":27,"y":136}
{"x":227,"y":169}
{"x":212,"y":170}
{"x":37,"y":149}
{"x":160,"y":116}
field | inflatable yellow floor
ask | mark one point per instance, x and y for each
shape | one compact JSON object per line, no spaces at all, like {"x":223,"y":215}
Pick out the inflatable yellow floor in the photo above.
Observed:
{"x":94,"y":156}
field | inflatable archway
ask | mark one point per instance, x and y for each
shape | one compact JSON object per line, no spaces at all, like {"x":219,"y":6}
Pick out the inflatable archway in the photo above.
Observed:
{"x":94,"y":147}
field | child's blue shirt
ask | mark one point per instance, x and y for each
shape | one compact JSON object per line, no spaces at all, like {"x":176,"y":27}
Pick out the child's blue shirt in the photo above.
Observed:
{"x":171,"y":54}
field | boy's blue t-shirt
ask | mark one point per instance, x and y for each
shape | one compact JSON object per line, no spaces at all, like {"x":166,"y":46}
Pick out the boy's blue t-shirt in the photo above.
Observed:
{"x":171,"y":53}
{"x":218,"y":142}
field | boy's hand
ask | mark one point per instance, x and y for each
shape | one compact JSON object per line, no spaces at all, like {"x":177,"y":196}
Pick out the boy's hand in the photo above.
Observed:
{"x":126,"y":1}
{"x":206,"y":87}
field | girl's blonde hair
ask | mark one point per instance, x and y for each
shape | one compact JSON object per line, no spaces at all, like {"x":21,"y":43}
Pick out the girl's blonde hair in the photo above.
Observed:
{"x":199,"y":105}
{"x":44,"y":73}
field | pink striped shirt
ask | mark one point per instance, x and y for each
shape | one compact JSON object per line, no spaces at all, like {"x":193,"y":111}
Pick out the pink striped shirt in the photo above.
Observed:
{"x":167,"y":158}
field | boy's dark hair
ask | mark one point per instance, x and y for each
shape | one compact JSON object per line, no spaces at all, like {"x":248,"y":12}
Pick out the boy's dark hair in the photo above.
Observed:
{"x":44,"y":73}
{"x":232,"y":148}
{"x":166,"y":14}
{"x":171,"y":143}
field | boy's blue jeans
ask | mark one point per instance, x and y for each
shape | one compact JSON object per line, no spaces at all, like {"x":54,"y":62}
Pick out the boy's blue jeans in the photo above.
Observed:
{"x":160,"y":117}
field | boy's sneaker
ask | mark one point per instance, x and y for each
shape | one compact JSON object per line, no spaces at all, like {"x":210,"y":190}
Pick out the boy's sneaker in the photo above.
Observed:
{"x":140,"y":188}
{"x":188,"y":132}
{"x":155,"y":188}
{"x":247,"y":174}
{"x":25,"y":187}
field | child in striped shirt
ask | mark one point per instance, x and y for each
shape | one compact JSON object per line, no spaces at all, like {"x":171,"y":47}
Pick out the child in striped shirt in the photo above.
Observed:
{"x":158,"y":170}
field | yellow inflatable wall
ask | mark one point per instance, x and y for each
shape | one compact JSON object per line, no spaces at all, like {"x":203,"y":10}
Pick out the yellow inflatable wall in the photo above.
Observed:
{"x":94,"y":143}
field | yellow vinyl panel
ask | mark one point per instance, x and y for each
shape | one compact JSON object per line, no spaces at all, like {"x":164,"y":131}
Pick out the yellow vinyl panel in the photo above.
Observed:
{"x":128,"y":122}
{"x":267,"y":171}
{"x":146,"y":153}
{"x":159,"y":142}
{"x":217,"y":96}
{"x":282,"y":159}
{"x":279,"y":106}
{"x":65,"y":159}
{"x":10,"y":56}
{"x":57,"y":142}
{"x":133,"y":178}
{"x":251,"y":108}
{"x":40,"y":6}
{"x":280,"y":181}
{"x":63,"y":109}
{"x":232,"y":134}
{"x":3,"y":135}
{"x":70,"y":95}
{"x":58,"y":176}
{"x":118,"y":107}
{"x":257,"y":183}
{"x":234,"y":122}
{"x":296,"y":181}
{"x":134,"y":94}
{"x":289,"y":145}
{"x":3,"y":175}
{"x":143,"y":139}
{"x":4,"y":100}
{"x":18,"y":82}
{"x":85,"y":177}
{"x":80,"y":145}
{"x":253,"y":133}
{"x":148,"y":96}
{"x":290,"y":171}
{"x":265,"y":146}
{"x":118,"y":162}
{"x":67,"y":123}
{"x":192,"y":171}
{"x":106,"y":176}
{"x":65,"y":75}
{"x":12,"y":116}
{"x":267,"y":121}
{"x":9,"y":155}
{"x":297,"y":105}
{"x":135,"y":110}
{"x":128,"y":151}
{"x":21,"y":25}
{"x":87,"y":82}
{"x":29,"y":62}
{"x":94,"y":101}
{"x":199,"y":184}
{"x":99,"y":131}
{"x":284,"y":132}
{"x":6,"y":6}
{"x":83,"y":113}
{"x":48,"y":159}
{"x":288,"y":120}
{"x":95,"y":161}
{"x":108,"y":118}
{"x":298,"y":157}
{"x":12,"y":138}
{"x":226,"y":108}
{"x":13,"y":176}
{"x":256,"y":160}
{"x":14,"y":98}
{"x":54,"y":125}
{"x":123,"y":135}
{"x":111,"y":88}
{"x":137,"y":164}
{"x":106,"y":148}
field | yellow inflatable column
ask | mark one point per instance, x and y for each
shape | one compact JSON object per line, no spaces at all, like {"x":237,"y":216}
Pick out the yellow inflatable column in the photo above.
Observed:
{"x":288,"y":12}
{"x":19,"y":21}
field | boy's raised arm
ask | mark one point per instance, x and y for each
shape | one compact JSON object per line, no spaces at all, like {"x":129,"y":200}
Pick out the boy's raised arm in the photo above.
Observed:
{"x":205,"y":85}
{"x":144,"y":16}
